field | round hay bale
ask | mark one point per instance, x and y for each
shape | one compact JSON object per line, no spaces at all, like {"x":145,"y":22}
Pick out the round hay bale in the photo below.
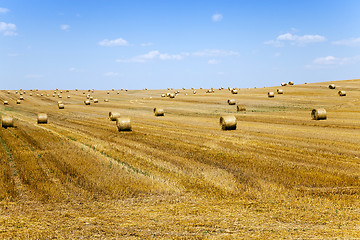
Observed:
{"x":280,"y":91}
{"x":228,"y":122}
{"x":8,"y":92}
{"x":6,"y":103}
{"x":53,"y":95}
{"x":21,"y":98}
{"x":96,"y":100}
{"x":18,"y":101}
{"x":87,"y":102}
{"x":231,"y":101}
{"x":114,"y":115}
{"x":21,"y":93}
{"x":318,"y":114}
{"x":117,"y":92}
{"x":159,"y":112}
{"x":332,"y":86}
{"x":163,"y":95}
{"x":7,"y":121}
{"x":91,"y":98}
{"x":42,"y":118}
{"x":271,"y":94}
{"x":194,"y":92}
{"x":108,"y":92}
{"x":172,"y":95}
{"x":112,"y":89}
{"x":283,"y":84}
{"x":291,"y":83}
{"x":60,"y":102}
{"x":68,"y":96}
{"x":342,"y":93}
{"x":61,"y":91}
{"x":42,"y":94}
{"x":61,"y":106}
{"x":234,"y":91}
{"x":60,"y":96}
{"x":31,"y":94}
{"x":123,"y":124}
{"x":241,"y":108}
{"x":106,"y":100}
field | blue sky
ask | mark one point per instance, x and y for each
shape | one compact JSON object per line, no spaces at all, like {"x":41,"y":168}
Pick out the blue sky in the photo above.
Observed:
{"x":106,"y":44}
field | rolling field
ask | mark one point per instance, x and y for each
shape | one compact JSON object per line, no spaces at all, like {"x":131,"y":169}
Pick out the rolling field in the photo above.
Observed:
{"x":280,"y":174}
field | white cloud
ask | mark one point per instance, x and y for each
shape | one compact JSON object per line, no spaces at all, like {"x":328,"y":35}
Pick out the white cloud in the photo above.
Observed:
{"x":212,"y":53}
{"x":152,"y":55}
{"x":111,"y":74}
{"x":329,"y":61}
{"x":295,"y":39}
{"x":4,"y":10}
{"x":348,"y":42}
{"x":64,"y":27}
{"x":8,"y":29}
{"x":112,"y":43}
{"x":217,"y":17}
{"x":213,"y":61}
{"x":146,"y":44}
{"x":215,"y":53}
{"x":73,"y":69}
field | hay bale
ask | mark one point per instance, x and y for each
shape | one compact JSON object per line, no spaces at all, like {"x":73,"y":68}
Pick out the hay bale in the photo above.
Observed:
{"x":231,"y":101}
{"x":96,"y":100}
{"x":318,"y":114}
{"x":60,"y":96}
{"x":108,"y":92}
{"x":21,"y":98}
{"x":53,"y":95}
{"x":68,"y":96}
{"x":283,"y":84}
{"x":123,"y":124}
{"x":8,"y":92}
{"x":194,"y":92}
{"x":7,"y":121}
{"x":241,"y":108}
{"x":42,"y":118}
{"x":172,"y":95}
{"x":106,"y":100}
{"x":280,"y":91}
{"x":59,"y":102}
{"x":332,"y":86}
{"x":61,"y":106}
{"x":228,"y":122}
{"x":31,"y":94}
{"x":91,"y":98}
{"x":18,"y":101}
{"x":42,"y":94}
{"x":342,"y":93}
{"x":6,"y":103}
{"x":87,"y":102}
{"x":117,"y":92}
{"x":114,"y":115}
{"x":163,"y":95}
{"x":234,"y":91}
{"x":271,"y":94}
{"x":291,"y":83}
{"x":159,"y":112}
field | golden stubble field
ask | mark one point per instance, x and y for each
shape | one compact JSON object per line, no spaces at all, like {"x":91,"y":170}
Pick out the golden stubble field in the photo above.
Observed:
{"x":279,"y":175}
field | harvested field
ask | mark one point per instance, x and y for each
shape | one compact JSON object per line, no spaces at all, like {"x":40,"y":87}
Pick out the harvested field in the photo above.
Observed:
{"x":280,"y":174}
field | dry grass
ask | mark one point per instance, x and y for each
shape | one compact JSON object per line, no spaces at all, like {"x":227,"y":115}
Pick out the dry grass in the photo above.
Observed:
{"x":279,"y":175}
